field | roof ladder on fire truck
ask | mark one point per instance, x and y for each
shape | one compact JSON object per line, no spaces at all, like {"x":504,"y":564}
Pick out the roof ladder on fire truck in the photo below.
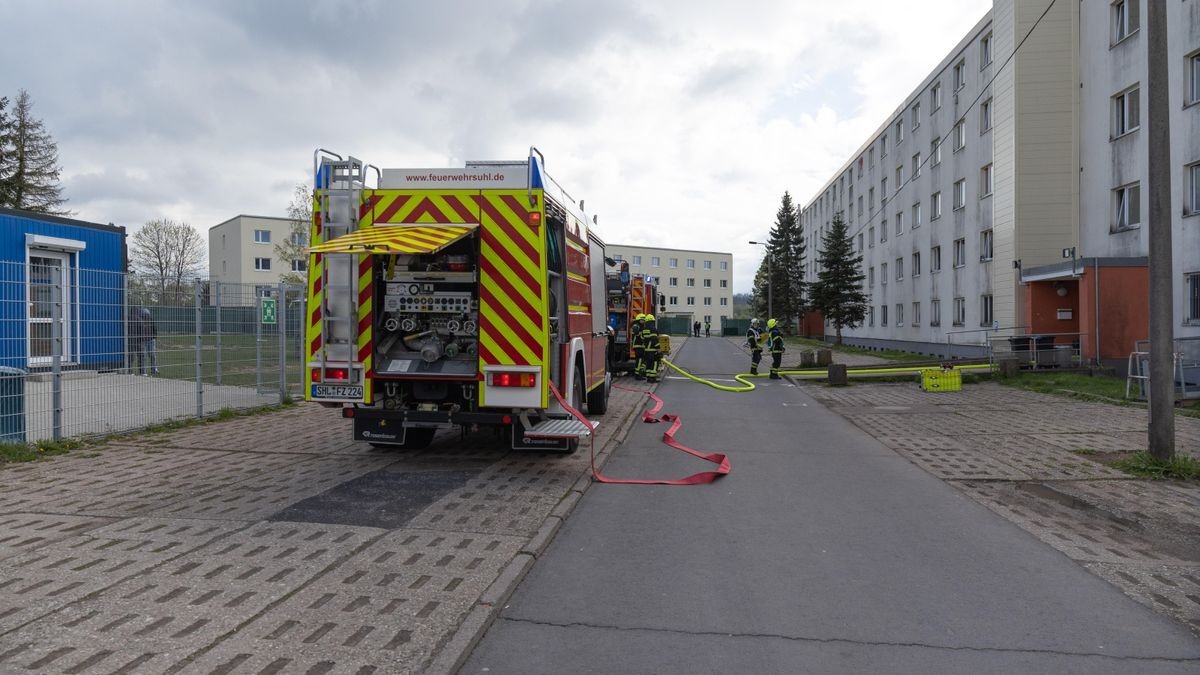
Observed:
{"x":342,"y":182}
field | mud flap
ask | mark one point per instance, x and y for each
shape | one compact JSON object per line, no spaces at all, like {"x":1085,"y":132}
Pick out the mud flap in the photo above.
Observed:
{"x":378,"y":430}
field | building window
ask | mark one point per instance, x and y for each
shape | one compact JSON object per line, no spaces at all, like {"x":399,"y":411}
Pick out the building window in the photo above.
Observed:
{"x":1127,"y":202}
{"x":1191,"y":292}
{"x":871,"y":237}
{"x":883,"y":193}
{"x":985,"y":116}
{"x":985,"y":245}
{"x":724,"y":265}
{"x":899,"y":178}
{"x":883,"y":230}
{"x":298,"y":238}
{"x":960,"y":75}
{"x":691,"y":263}
{"x":691,"y":300}
{"x":262,"y":264}
{"x":708,"y":264}
{"x":871,"y":316}
{"x":960,"y":193}
{"x":691,"y":282}
{"x":724,"y":283}
{"x":871,"y":277}
{"x":673,"y":300}
{"x":860,"y":242}
{"x":300,"y":265}
{"x":883,"y":146}
{"x":1124,"y":19}
{"x":883,"y":274}
{"x":935,"y":206}
{"x":1125,"y":112}
{"x":935,"y":152}
{"x":899,"y":222}
{"x":935,"y":98}
{"x":916,"y":264}
{"x":985,"y":309}
{"x":263,"y":291}
{"x":916,"y":216}
{"x":916,"y":314}
{"x":1191,"y":176}
{"x":935,"y":259}
{"x":960,"y":312}
{"x":960,"y":136}
{"x":708,"y":283}
{"x":617,"y":257}
{"x":674,"y":281}
{"x":860,"y":166}
{"x":900,"y":130}
{"x":883,"y":315}
{"x":985,"y":180}
{"x":871,"y":199}
{"x":860,"y":205}
{"x":916,"y":165}
{"x":223,"y":269}
{"x":262,"y":236}
{"x":935,"y":312}
{"x":724,"y":302}
{"x":960,"y":252}
{"x":985,"y":51}
{"x":1192,"y":72}
{"x":916,"y":115}
{"x":899,"y":269}
{"x":899,"y":314}
{"x":673,"y":262}
{"x":708,"y":302}
{"x":637,"y":260}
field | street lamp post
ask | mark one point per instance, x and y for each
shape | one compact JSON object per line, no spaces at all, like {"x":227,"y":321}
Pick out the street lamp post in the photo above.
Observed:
{"x":770,"y":311}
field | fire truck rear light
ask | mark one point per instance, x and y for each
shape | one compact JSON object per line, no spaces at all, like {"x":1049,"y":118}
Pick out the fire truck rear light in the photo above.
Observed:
{"x":535,"y":218}
{"x":507,"y":419}
{"x":347,"y":412}
{"x":511,"y":379}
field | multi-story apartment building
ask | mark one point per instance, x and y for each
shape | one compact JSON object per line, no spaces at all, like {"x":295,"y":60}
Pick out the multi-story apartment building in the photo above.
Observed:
{"x":1005,"y":160}
{"x":697,"y":284}
{"x":241,"y":250}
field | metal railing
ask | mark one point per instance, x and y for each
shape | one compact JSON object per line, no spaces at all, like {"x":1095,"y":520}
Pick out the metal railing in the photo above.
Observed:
{"x":1186,"y":366}
{"x":1040,"y":350}
{"x":87,"y":352}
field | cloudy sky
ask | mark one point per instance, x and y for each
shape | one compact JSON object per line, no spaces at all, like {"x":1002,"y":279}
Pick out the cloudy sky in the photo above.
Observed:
{"x":681,"y":123}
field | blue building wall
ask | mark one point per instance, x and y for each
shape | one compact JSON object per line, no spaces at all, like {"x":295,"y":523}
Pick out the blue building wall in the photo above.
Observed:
{"x":98,"y":327}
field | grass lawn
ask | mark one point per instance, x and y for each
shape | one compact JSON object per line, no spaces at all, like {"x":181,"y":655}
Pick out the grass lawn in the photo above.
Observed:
{"x":1104,"y":388}
{"x":888,"y":354}
{"x":236,"y":362}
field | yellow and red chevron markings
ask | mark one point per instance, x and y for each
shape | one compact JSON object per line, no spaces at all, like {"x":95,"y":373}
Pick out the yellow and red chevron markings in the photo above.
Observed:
{"x":512,"y":273}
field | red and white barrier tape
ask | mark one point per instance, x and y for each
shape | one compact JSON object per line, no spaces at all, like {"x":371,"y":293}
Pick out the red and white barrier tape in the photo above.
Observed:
{"x":651,"y":417}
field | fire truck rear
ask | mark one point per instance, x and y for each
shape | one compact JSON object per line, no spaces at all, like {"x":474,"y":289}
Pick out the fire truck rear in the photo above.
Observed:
{"x":454,"y":297}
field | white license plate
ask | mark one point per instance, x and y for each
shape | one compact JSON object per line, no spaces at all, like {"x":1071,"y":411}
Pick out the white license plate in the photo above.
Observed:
{"x":337,"y":391}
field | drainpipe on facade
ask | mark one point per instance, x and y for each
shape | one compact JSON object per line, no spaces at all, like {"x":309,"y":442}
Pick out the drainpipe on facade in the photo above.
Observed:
{"x":1096,"y":287}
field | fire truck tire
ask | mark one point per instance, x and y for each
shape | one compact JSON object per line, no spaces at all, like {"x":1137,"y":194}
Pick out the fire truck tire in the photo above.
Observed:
{"x":414,"y":439}
{"x":578,"y":395}
{"x":597,"y":399}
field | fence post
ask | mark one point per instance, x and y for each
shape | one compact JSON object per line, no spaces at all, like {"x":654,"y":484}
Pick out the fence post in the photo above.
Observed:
{"x":281,"y":327}
{"x":199,"y":354}
{"x":125,"y":321}
{"x":302,"y":338}
{"x":217,"y":298}
{"x":56,"y":349}
{"x":258,"y":340}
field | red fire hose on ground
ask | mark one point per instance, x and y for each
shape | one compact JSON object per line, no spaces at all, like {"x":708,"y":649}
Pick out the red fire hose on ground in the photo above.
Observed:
{"x":651,"y":416}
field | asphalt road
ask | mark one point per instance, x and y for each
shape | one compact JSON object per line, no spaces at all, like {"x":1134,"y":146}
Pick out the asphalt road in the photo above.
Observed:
{"x":822,"y":551}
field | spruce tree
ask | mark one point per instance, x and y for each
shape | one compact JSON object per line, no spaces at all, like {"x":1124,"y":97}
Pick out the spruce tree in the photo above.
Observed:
{"x":6,"y":154}
{"x":786,"y":250}
{"x":32,"y":180}
{"x":838,"y":292}
{"x":758,"y":300}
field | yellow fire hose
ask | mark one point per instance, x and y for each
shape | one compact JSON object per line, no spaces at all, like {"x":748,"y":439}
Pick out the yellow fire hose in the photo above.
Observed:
{"x":815,"y":373}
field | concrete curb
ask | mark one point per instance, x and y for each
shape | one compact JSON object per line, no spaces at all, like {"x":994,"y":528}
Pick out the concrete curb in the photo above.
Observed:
{"x":453,"y":654}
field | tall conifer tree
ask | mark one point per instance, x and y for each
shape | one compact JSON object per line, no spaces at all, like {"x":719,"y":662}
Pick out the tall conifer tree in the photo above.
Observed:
{"x":31,"y":179}
{"x":838,"y":292}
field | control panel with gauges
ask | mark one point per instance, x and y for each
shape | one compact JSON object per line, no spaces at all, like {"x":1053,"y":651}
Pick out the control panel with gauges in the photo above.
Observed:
{"x":429,"y":324}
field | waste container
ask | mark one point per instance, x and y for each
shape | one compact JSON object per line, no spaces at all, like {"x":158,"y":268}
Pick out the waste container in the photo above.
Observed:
{"x":1044,"y":346}
{"x":12,"y":405}
{"x":1063,"y":355}
{"x":1019,"y":343}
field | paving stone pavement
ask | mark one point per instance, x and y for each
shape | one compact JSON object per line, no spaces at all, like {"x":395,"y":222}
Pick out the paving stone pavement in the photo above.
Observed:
{"x":273,"y":543}
{"x":1019,"y":454}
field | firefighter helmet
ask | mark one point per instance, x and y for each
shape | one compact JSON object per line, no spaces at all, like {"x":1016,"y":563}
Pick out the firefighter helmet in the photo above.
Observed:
{"x":639,"y":317}
{"x":649,"y":317}
{"x":754,"y":322}
{"x":771,"y":323}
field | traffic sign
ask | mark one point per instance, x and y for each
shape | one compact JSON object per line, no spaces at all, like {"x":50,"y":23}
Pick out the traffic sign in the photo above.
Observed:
{"x":267,"y":311}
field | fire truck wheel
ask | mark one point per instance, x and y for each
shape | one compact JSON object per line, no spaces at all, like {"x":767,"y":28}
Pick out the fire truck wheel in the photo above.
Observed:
{"x":597,"y":399}
{"x":414,"y":439}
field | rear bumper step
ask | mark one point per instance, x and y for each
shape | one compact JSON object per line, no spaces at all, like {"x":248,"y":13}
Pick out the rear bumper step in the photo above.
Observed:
{"x":556,"y":428}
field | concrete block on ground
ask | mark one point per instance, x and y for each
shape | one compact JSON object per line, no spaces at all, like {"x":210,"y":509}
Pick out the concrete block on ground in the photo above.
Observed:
{"x":808,"y":359}
{"x":837,"y":375}
{"x":824,"y":357}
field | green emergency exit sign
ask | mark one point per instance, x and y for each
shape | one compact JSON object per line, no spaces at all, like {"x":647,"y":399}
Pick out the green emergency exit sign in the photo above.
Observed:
{"x":267,"y":311}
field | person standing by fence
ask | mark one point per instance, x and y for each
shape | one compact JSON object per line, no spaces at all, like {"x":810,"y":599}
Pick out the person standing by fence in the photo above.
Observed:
{"x":143,"y":336}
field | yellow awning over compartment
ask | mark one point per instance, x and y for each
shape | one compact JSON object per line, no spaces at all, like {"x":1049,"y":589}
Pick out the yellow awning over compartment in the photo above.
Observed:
{"x":392,"y":239}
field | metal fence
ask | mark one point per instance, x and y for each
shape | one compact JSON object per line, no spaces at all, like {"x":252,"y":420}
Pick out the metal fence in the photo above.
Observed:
{"x":87,"y":352}
{"x":1186,"y":366}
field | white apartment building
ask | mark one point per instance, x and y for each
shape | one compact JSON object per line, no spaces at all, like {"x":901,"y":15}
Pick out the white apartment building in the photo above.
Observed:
{"x":241,"y":250}
{"x":965,"y":201}
{"x":697,"y":284}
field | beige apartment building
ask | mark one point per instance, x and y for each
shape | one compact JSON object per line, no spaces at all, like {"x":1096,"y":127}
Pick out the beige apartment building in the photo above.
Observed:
{"x":241,"y":250}
{"x":698,"y":285}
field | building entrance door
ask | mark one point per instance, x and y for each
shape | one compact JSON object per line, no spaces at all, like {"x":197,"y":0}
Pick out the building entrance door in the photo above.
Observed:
{"x":49,"y":281}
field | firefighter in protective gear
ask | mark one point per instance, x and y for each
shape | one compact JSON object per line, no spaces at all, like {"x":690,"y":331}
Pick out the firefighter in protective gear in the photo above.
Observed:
{"x":775,"y":342}
{"x":754,"y":339}
{"x":650,"y":346}
{"x":635,"y":340}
